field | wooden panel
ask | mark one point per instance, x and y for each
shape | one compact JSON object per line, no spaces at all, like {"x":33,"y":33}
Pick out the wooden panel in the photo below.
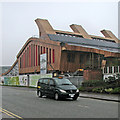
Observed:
{"x":60,"y":60}
{"x":57,"y":56}
{"x":70,"y":66}
{"x":78,"y":48}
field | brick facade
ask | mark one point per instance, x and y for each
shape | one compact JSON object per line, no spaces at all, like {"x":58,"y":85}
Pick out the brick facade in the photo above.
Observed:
{"x":92,"y":75}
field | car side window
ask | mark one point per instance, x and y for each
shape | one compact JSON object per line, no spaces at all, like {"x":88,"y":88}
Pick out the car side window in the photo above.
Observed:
{"x":40,"y":81}
{"x":51,"y":82}
{"x":45,"y":81}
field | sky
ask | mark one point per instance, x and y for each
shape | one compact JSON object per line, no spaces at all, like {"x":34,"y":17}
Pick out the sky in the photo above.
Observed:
{"x":119,"y":20}
{"x":18,"y":25}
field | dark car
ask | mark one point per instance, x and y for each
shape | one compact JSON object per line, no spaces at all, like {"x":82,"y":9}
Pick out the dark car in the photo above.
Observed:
{"x":57,"y":88}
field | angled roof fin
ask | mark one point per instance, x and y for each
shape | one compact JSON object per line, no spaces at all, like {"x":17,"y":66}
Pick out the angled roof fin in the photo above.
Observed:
{"x":109,"y":34}
{"x":80,"y":29}
{"x":44,"y":27}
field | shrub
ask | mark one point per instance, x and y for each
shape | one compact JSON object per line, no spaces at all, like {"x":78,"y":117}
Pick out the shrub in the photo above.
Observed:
{"x":82,"y":89}
{"x":116,"y":90}
{"x":93,"y":83}
{"x":100,"y":86}
{"x":98,"y":90}
{"x":109,"y":90}
{"x":87,"y":89}
{"x":111,"y":78}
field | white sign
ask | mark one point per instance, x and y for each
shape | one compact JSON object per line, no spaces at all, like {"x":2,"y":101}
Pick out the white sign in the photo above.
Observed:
{"x":43,"y":63}
{"x":23,"y":80}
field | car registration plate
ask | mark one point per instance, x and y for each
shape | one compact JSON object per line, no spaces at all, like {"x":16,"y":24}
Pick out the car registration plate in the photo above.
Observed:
{"x":71,"y":95}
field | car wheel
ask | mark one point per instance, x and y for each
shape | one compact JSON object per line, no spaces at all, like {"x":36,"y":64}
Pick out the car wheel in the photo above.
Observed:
{"x":75,"y":98}
{"x":56,"y":97}
{"x":39,"y":94}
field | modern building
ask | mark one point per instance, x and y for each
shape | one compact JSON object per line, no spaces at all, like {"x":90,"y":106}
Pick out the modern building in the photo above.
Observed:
{"x":68,"y":51}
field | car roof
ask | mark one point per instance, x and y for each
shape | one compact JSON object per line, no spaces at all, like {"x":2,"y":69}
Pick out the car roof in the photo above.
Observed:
{"x":53,"y":78}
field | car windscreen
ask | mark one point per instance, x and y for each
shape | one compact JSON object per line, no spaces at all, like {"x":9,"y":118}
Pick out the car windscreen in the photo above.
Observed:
{"x":62,"y":81}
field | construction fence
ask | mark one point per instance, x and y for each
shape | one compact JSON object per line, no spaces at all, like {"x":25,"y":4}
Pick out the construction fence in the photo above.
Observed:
{"x":23,"y":80}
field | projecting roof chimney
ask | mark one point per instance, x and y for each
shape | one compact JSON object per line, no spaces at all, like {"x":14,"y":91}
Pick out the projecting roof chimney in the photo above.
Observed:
{"x":44,"y":27}
{"x":80,"y":29}
{"x":109,"y":34}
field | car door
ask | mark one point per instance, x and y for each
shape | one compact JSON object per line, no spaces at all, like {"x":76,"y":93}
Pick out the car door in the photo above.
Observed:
{"x":46,"y":85}
{"x":41,"y":85}
{"x":51,"y":88}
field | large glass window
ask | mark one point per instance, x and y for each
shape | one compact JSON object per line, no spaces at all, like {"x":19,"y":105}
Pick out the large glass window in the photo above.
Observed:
{"x":81,"y":58}
{"x":49,"y":55}
{"x":20,"y":63}
{"x":105,"y":70}
{"x":53,"y":56}
{"x":115,"y":69}
{"x":29,"y":56}
{"x":36,"y":55}
{"x":24,"y":60}
{"x":70,"y":57}
{"x":110,"y":69}
{"x":44,"y":50}
{"x":41,"y":49}
{"x":33,"y":55}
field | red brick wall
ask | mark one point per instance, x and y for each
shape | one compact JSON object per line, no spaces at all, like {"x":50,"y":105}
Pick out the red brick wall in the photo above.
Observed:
{"x":92,"y":75}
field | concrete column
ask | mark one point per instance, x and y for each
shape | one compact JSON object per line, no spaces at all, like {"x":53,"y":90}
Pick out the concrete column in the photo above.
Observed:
{"x":90,"y":60}
{"x":113,"y":69}
{"x":103,"y":69}
{"x":118,"y":69}
{"x":107,"y":69}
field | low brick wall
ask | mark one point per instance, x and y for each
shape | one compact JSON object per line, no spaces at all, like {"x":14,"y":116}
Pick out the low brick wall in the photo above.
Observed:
{"x":92,"y":75}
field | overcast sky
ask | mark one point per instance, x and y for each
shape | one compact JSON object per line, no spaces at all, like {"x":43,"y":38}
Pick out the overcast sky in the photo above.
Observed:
{"x":17,"y":20}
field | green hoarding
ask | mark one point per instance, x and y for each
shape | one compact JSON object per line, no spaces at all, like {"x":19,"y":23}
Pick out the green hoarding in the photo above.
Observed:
{"x":11,"y":80}
{"x":35,"y":78}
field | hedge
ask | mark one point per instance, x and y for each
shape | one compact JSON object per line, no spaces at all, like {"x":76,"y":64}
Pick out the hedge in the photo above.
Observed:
{"x":100,"y":86}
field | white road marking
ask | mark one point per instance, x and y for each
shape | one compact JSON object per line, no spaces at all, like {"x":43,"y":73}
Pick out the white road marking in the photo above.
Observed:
{"x":83,"y":106}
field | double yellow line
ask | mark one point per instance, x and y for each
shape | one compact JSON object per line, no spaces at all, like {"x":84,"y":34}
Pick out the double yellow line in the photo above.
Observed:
{"x":10,"y":114}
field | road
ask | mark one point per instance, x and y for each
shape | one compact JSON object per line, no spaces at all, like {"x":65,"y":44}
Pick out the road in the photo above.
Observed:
{"x":24,"y":103}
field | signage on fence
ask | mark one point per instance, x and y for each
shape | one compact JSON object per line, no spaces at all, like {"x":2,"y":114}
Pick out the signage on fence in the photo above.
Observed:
{"x":34,"y":78}
{"x":13,"y":80}
{"x":23,"y":80}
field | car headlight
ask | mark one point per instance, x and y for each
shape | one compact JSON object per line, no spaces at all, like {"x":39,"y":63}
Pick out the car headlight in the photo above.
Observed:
{"x":77,"y":90}
{"x":63,"y":91}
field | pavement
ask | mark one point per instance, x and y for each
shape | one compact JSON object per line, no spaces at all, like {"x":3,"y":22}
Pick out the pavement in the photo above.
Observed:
{"x":107,"y":97}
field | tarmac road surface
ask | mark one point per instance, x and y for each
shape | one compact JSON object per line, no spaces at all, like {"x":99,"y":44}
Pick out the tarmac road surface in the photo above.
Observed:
{"x":24,"y":103}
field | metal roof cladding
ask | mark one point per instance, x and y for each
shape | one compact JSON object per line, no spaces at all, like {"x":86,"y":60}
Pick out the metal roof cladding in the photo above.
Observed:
{"x":103,"y":45}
